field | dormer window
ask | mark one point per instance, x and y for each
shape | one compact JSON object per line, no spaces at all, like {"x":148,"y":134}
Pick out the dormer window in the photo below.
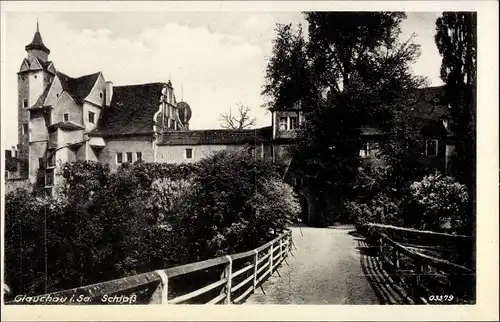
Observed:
{"x":283,"y":124}
{"x":66,"y":117}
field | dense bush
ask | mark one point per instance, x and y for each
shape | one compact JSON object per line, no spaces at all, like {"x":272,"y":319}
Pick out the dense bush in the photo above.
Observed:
{"x":143,"y":217}
{"x":435,"y":203}
{"x":380,"y":209}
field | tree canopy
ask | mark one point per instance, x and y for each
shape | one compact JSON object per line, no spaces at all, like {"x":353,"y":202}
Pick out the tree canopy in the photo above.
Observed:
{"x":352,"y":73}
{"x":456,"y":40}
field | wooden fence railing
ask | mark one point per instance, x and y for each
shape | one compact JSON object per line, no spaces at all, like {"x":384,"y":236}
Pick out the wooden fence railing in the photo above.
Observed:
{"x":421,"y":268}
{"x":241,"y":274}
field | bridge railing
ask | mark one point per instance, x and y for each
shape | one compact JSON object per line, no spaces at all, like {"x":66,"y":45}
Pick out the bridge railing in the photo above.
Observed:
{"x":241,"y":274}
{"x":421,"y":268}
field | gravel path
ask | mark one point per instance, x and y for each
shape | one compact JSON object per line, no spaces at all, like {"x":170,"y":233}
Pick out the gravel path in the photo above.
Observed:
{"x":326,"y":268}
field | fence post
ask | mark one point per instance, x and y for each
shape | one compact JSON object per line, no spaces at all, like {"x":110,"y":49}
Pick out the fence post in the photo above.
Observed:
{"x":255,"y":264}
{"x":281,"y":248}
{"x":160,"y":295}
{"x":228,"y":272}
{"x":290,"y":240}
{"x":381,"y":243}
{"x":271,"y":259}
{"x":396,"y":254}
{"x":419,"y":270}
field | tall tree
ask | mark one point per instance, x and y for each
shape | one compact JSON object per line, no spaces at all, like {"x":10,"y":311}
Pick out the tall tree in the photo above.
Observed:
{"x":288,"y":76}
{"x":360,"y":76}
{"x":240,"y":121}
{"x":456,"y":40}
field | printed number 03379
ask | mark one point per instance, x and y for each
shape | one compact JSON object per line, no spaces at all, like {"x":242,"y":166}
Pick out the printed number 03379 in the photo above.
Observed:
{"x":441,"y":298}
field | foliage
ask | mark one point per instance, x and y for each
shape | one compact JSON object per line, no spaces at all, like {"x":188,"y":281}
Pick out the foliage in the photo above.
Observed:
{"x":242,"y":121}
{"x":28,"y":226}
{"x":288,"y":77}
{"x":381,"y":209}
{"x":437,"y":203}
{"x":143,"y":217}
{"x":456,"y":40}
{"x":434,"y":203}
{"x":233,"y":190}
{"x":351,"y":74}
{"x":341,"y":43}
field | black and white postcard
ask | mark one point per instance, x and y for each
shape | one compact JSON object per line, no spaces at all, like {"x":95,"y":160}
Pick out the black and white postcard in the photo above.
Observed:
{"x":324,"y":160}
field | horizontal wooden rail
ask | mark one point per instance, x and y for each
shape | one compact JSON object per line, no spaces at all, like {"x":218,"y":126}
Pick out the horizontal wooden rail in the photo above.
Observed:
{"x":156,"y":283}
{"x":421,"y":274}
{"x":439,"y":263}
{"x":419,"y":232}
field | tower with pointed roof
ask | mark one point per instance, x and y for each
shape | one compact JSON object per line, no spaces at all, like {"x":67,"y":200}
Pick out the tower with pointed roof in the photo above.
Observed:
{"x":35,"y":75}
{"x":37,"y":48}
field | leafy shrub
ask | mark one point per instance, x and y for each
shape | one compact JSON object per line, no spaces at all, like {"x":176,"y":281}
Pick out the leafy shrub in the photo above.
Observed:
{"x":143,"y":217}
{"x":437,"y":203}
{"x":28,"y":232}
{"x":381,"y":209}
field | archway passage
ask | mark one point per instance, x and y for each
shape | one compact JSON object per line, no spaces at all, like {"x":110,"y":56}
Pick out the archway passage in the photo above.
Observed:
{"x":304,"y":210}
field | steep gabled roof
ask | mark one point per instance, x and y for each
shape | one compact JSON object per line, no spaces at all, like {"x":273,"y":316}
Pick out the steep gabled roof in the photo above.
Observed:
{"x":131,"y":111}
{"x":80,"y":87}
{"x":218,"y":136}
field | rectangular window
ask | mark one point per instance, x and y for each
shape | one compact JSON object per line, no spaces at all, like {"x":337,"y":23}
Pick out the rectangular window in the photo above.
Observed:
{"x":49,"y":178}
{"x":41,"y":163}
{"x":431,"y":148}
{"x":189,"y":153}
{"x":92,"y":117}
{"x":282,"y":124}
{"x":66,"y":117}
{"x":365,"y":150}
{"x":129,"y":157}
{"x":294,"y":123}
{"x":25,"y":128}
{"x":138,"y":156}
{"x":119,"y":157}
{"x":25,"y":103}
{"x":51,"y":159}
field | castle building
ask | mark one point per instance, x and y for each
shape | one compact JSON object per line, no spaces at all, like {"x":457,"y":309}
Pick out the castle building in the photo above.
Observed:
{"x":64,"y":119}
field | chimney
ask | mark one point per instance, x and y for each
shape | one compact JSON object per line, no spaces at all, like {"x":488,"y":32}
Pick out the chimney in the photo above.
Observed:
{"x":109,"y":93}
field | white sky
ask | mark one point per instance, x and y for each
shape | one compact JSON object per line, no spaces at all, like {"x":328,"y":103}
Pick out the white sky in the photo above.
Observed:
{"x":218,"y":59}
